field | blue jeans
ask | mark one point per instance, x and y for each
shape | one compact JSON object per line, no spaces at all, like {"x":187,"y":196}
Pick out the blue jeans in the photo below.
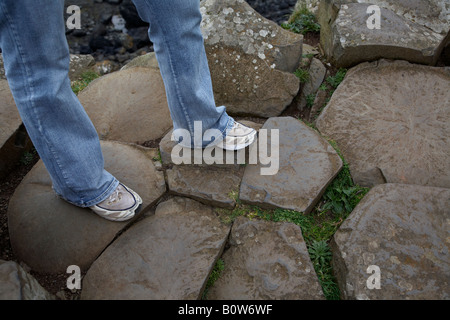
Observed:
{"x":36,"y":59}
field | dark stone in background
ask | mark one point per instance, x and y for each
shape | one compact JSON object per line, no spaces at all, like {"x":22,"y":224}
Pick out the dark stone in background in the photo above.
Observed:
{"x":98,"y":37}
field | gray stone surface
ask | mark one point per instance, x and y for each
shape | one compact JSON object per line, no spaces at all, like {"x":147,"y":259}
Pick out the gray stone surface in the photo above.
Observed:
{"x":212,"y":185}
{"x":49,"y":234}
{"x":307,"y":164}
{"x":251,"y":59}
{"x":266,"y":260}
{"x":433,"y":14}
{"x":165,"y":256}
{"x":392,"y":123}
{"x":410,"y":30}
{"x":17,"y":284}
{"x":404,"y":231}
{"x":128,"y":105}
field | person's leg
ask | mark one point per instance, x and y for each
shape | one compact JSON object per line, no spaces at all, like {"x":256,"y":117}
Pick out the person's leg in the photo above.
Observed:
{"x":179,"y":48}
{"x":36,"y":58}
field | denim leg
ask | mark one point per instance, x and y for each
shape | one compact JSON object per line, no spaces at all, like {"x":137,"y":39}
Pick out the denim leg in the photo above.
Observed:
{"x":36,"y":58}
{"x":180,"y":51}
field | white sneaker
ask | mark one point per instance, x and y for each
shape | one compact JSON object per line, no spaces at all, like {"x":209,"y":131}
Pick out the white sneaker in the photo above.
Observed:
{"x":121,"y":205}
{"x":239,"y":137}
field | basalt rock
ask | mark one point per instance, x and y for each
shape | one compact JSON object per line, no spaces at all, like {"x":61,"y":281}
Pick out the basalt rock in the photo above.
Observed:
{"x":392,"y":122}
{"x":252,"y":59}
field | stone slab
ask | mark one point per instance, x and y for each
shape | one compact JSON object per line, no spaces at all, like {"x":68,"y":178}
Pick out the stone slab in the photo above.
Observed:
{"x":410,"y":30}
{"x":392,"y":123}
{"x":266,"y":260}
{"x":128,"y":105}
{"x":252,"y":59}
{"x":17,"y":284}
{"x":167,"y":256}
{"x":210,"y":185}
{"x":404,"y":231}
{"x":307,"y":165}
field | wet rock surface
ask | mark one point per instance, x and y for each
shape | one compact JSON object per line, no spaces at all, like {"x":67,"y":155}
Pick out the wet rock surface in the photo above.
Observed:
{"x":266,"y":261}
{"x":168,"y":255}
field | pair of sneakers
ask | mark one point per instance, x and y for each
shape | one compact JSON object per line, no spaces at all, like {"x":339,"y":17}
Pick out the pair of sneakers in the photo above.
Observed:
{"x":124,"y":203}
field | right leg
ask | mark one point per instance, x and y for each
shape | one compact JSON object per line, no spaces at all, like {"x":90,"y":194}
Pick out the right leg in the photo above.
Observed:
{"x":180,"y":50}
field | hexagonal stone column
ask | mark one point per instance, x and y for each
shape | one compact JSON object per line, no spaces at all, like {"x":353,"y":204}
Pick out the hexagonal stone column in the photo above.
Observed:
{"x":168,"y":255}
{"x":266,"y":260}
{"x":128,"y":105}
{"x":391,"y":121}
{"x":412,"y":30}
{"x":252,"y":59}
{"x":49,"y":234}
{"x":307,"y":164}
{"x":395,"y":245}
{"x":215,"y":183}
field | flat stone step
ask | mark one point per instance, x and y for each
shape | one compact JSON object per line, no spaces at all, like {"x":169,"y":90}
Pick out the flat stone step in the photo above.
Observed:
{"x":266,"y":260}
{"x":168,"y":255}
{"x":211,"y":185}
{"x":305,"y":166}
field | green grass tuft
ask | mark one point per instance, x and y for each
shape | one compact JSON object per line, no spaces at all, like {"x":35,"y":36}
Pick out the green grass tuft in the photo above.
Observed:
{"x":84,"y":80}
{"x":302,"y":74}
{"x":215,"y":274}
{"x":302,"y":21}
{"x":336,"y":80}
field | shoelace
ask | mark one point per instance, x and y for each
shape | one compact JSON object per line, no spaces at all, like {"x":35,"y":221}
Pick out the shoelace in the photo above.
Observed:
{"x":115,"y":197}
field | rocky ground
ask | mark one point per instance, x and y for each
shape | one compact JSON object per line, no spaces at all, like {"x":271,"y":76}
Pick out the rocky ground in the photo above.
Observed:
{"x":103,"y":22}
{"x":226,"y":231}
